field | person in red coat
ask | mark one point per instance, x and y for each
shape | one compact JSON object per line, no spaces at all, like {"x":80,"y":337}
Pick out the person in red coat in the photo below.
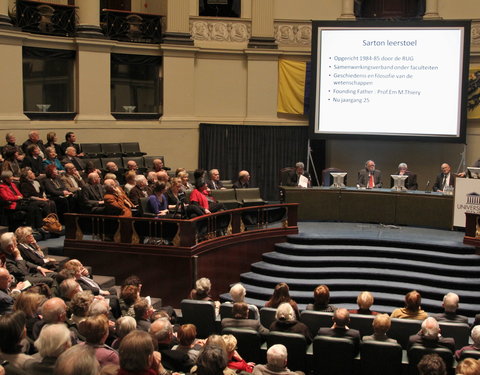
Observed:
{"x":9,"y":191}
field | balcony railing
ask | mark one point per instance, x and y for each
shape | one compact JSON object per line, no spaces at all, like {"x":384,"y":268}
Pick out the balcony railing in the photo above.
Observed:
{"x":177,"y":232}
{"x":131,"y":27}
{"x":45,"y":18}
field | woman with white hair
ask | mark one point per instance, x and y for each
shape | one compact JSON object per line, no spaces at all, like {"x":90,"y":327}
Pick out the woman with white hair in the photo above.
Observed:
{"x":202,"y":292}
{"x":54,"y":339}
{"x":285,"y":321}
{"x":475,"y":335}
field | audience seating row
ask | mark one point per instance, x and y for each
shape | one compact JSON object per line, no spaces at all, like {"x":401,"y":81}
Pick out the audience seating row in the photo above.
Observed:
{"x":100,"y":150}
{"x":235,"y":198}
{"x":143,"y":162}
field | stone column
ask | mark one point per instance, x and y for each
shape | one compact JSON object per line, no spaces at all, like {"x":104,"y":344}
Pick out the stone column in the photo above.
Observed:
{"x":431,"y":10}
{"x":89,"y":19}
{"x":262,"y":25}
{"x":5,"y":20}
{"x":347,"y":10}
{"x":178,"y":23}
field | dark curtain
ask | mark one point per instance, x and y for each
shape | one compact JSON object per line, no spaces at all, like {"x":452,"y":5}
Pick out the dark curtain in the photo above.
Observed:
{"x":261,"y":150}
{"x":48,"y":53}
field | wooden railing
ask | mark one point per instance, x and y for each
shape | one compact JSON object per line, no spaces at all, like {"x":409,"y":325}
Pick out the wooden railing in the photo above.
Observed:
{"x":178,"y":232}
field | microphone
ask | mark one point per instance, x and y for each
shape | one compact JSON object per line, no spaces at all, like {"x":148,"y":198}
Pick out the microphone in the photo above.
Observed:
{"x":427,"y":190}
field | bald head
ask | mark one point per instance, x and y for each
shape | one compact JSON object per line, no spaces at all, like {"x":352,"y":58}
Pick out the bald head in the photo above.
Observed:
{"x":5,"y":279}
{"x":162,"y":330}
{"x":341,"y":317}
{"x":450,"y":302}
{"x":162,"y":176}
{"x":54,"y":310}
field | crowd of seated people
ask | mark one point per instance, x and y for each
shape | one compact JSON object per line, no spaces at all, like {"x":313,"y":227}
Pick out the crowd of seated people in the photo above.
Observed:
{"x":41,"y":178}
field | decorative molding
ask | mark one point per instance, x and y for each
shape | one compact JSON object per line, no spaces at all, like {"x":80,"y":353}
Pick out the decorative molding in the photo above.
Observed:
{"x":293,"y":34}
{"x":475,"y":36}
{"x":220,"y":30}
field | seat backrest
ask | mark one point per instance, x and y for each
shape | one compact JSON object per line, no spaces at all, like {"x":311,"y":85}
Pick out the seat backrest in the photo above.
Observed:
{"x":227,"y":184}
{"x":314,"y":320}
{"x":92,"y":149}
{"x":475,"y":354}
{"x":362,"y":323}
{"x":402,"y":329}
{"x":145,"y":208}
{"x":112,"y":149}
{"x":96,"y":162}
{"x":267,"y":316}
{"x":227,"y":197}
{"x":283,"y":175}
{"x":249,"y":193}
{"x":416,"y":353}
{"x":458,"y":331}
{"x":201,"y":314}
{"x":296,"y":345}
{"x":333,"y":355}
{"x":130,"y":147}
{"x":226,"y":310}
{"x":380,"y":358}
{"x":138,"y":159}
{"x":248,"y":343}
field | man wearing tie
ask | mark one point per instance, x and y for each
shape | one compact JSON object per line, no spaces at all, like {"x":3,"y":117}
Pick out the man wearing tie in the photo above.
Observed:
{"x":214,"y":182}
{"x":369,"y":177}
{"x":446,"y":178}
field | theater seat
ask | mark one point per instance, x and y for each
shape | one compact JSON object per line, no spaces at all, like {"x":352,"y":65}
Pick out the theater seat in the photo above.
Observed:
{"x":92,"y":150}
{"x":249,"y":197}
{"x":296,"y":345}
{"x":333,"y":355}
{"x":416,"y":353}
{"x":145,"y":209}
{"x":112,"y":149}
{"x":283,"y":175}
{"x":227,"y":197}
{"x":248,"y":343}
{"x":380,"y":358}
{"x":475,"y":354}
{"x":202,"y":315}
{"x":314,"y":320}
{"x":460,"y":332}
{"x":131,"y":149}
{"x":267,"y":316}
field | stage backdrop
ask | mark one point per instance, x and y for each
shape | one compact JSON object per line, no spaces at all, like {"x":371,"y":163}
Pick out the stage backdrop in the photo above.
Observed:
{"x":261,"y":150}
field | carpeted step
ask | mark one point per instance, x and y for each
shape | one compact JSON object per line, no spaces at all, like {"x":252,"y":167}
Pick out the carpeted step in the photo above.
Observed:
{"x":105,"y":282}
{"x":344,"y":260}
{"x":444,"y":257}
{"x":380,"y":274}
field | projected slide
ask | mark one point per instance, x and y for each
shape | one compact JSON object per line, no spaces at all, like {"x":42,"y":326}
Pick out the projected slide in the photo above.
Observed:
{"x":389,"y":81}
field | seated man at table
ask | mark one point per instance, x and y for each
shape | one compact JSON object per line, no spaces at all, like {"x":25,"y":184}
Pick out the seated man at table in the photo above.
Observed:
{"x":369,"y":177}
{"x":411,"y":181}
{"x":295,"y":177}
{"x":446,"y":178}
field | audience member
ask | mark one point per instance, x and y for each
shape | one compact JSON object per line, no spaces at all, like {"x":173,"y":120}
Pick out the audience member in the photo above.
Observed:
{"x":123,"y":326}
{"x":72,"y":179}
{"x":430,"y":337}
{"x":235,"y":361}
{"x":294,"y":175}
{"x":157,"y":202}
{"x":12,"y":332}
{"x":51,"y":159}
{"x":29,"y":302}
{"x":11,"y":163}
{"x":276,"y":363}
{"x":411,"y":181}
{"x":475,"y":335}
{"x":95,"y":331}
{"x":412,"y":309}
{"x":129,"y":294}
{"x":79,"y":359}
{"x":162,"y":332}
{"x":431,"y":364}
{"x":202,"y":291}
{"x":450,"y":306}
{"x":34,"y":160}
{"x":133,"y":166}
{"x":364,"y":302}
{"x":199,"y":198}
{"x":281,"y":294}
{"x":70,"y":139}
{"x":53,"y":311}
{"x":243,"y":181}
{"x":112,"y":167}
{"x":238,"y":293}
{"x":286,"y":321}
{"x":56,"y":190}
{"x":6,"y":294}
{"x":31,"y":251}
{"x":11,"y":139}
{"x":240,"y":319}
{"x":381,"y":324}
{"x":137,"y":355}
{"x":212,"y":361}
{"x":163,"y":176}
{"x":129,"y":181}
{"x":186,"y":185}
{"x":369,"y":177}
{"x":52,"y":142}
{"x":157,"y":165}
{"x":468,"y":366}
{"x":115,"y":201}
{"x":321,"y":298}
{"x":139,"y":190}
{"x":187,"y":341}
{"x":177,"y":201}
{"x":52,"y":342}
{"x":446,"y":178}
{"x":341,"y":319}
{"x":214,"y":182}
{"x":143,"y":311}
{"x":91,"y":196}
{"x":68,"y":288}
{"x":34,"y":138}
{"x":71,"y":157}
{"x":33,"y":190}
{"x":151,"y":181}
{"x":79,"y":307}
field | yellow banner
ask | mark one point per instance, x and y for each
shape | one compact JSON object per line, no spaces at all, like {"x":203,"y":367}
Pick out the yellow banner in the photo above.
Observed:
{"x":291,"y":86}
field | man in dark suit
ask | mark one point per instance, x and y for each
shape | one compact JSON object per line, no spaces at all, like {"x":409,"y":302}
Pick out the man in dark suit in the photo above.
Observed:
{"x":91,"y":196}
{"x":214,"y":182}
{"x":70,"y":139}
{"x":240,"y":319}
{"x":71,"y":157}
{"x":341,"y":319}
{"x":243,"y":181}
{"x":450,"y":306}
{"x":430,"y":337}
{"x":369,"y":177}
{"x":446,"y":178}
{"x":294,"y":175}
{"x":411,"y":181}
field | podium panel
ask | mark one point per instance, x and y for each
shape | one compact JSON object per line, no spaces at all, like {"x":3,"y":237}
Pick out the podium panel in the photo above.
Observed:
{"x":467,"y":199}
{"x":367,"y":206}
